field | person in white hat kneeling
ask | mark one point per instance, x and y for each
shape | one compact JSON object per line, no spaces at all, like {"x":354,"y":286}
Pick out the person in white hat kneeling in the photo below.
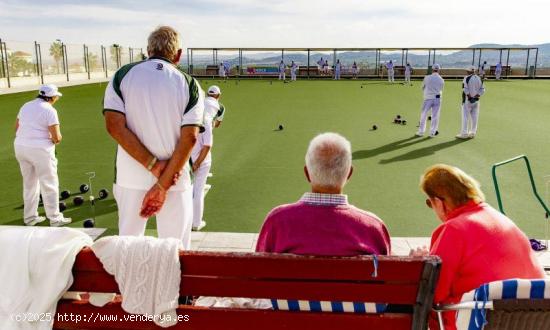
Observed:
{"x":37,"y":133}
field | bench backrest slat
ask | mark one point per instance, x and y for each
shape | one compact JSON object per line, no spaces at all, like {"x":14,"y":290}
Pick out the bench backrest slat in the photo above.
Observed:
{"x":279,"y":276}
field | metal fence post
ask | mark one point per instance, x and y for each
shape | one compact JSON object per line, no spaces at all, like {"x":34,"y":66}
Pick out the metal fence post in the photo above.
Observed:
{"x":87,"y":61}
{"x":38,"y":56}
{"x":479,"y":60}
{"x":240,"y":62}
{"x":104,"y":60}
{"x":527,"y":62}
{"x":65,"y":60}
{"x":536,"y":59}
{"x":40,"y":63}
{"x":2,"y":68}
{"x":308,"y":57}
{"x":7,"y":66}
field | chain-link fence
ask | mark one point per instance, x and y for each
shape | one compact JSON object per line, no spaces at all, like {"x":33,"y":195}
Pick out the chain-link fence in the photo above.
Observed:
{"x":25,"y":64}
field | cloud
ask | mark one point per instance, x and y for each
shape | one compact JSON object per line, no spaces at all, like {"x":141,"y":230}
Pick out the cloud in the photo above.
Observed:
{"x":284,"y":23}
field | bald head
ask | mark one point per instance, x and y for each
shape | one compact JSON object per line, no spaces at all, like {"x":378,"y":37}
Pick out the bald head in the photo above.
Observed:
{"x":328,"y":160}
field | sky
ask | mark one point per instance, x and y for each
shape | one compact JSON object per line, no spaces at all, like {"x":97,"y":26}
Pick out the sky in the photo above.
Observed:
{"x":284,"y":23}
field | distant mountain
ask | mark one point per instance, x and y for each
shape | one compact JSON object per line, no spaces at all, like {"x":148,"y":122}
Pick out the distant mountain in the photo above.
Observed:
{"x":456,"y":59}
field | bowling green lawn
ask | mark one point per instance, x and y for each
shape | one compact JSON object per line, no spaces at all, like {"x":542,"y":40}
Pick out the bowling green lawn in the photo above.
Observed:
{"x":256,"y":167}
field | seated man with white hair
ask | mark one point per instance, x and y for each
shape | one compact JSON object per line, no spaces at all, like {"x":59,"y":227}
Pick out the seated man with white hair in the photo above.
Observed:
{"x":322,"y":222}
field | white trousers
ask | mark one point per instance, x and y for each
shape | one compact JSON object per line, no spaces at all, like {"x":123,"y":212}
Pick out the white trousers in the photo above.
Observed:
{"x":39,"y":171}
{"x":337,"y":75}
{"x":173,"y":220}
{"x":391,"y":75}
{"x":497,"y":74}
{"x":470,"y":115}
{"x":293,"y":75}
{"x":198,"y":193}
{"x":434,"y":105}
{"x":407,"y":78}
{"x":282,"y":75}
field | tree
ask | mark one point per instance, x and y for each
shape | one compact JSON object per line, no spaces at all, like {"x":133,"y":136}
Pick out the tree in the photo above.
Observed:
{"x":56,"y":51}
{"x":93,"y":61}
{"x":19,"y":66}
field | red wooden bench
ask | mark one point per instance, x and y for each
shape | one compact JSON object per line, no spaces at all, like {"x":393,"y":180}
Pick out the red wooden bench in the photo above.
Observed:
{"x":400,"y":280}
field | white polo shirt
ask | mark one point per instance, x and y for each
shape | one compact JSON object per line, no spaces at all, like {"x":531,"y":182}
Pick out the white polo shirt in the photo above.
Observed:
{"x":205,"y":139}
{"x":211,"y":108}
{"x":157,"y":100}
{"x":433,"y":86}
{"x":35,"y":117}
{"x":389,"y":65}
{"x":473,"y":86}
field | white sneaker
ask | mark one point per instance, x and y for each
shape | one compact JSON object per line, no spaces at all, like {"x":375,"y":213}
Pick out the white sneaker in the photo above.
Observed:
{"x":59,"y":223}
{"x":462,"y":136}
{"x":419,"y":134}
{"x":472,"y":135}
{"x":34,"y":221}
{"x":200,"y":226}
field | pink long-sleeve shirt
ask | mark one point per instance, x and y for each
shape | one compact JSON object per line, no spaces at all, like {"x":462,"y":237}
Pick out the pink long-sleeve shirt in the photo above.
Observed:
{"x":477,"y":244}
{"x":323,"y":225}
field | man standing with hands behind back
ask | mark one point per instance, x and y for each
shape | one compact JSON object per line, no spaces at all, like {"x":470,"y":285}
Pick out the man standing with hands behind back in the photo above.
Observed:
{"x":154,"y":112}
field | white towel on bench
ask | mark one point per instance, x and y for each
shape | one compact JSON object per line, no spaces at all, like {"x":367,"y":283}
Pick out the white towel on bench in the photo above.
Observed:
{"x":147,"y":271}
{"x":35,"y":271}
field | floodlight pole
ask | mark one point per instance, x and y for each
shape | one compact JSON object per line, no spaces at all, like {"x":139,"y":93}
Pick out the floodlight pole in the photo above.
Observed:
{"x":473,"y":56}
{"x":429,"y":59}
{"x":402,"y":56}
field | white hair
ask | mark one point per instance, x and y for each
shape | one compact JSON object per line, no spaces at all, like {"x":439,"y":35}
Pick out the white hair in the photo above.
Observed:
{"x":328,"y":160}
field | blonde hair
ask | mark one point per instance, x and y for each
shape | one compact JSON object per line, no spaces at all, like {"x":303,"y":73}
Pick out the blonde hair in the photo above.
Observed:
{"x":328,"y":160}
{"x":164,"y":41}
{"x":452,"y":184}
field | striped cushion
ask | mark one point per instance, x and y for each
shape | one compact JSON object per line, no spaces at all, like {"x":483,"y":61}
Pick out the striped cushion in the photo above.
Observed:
{"x":507,"y":289}
{"x":328,"y":306}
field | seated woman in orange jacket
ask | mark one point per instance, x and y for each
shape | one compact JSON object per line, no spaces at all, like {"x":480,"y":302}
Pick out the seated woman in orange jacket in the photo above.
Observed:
{"x":476,"y":243}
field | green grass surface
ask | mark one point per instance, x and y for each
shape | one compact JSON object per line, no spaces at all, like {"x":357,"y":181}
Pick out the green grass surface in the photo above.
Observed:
{"x":256,"y":168}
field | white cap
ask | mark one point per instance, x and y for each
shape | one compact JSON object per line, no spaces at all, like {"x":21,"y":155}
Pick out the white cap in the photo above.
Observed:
{"x":214,"y":90}
{"x":471,"y":68}
{"x":436,"y":67}
{"x":49,"y":90}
